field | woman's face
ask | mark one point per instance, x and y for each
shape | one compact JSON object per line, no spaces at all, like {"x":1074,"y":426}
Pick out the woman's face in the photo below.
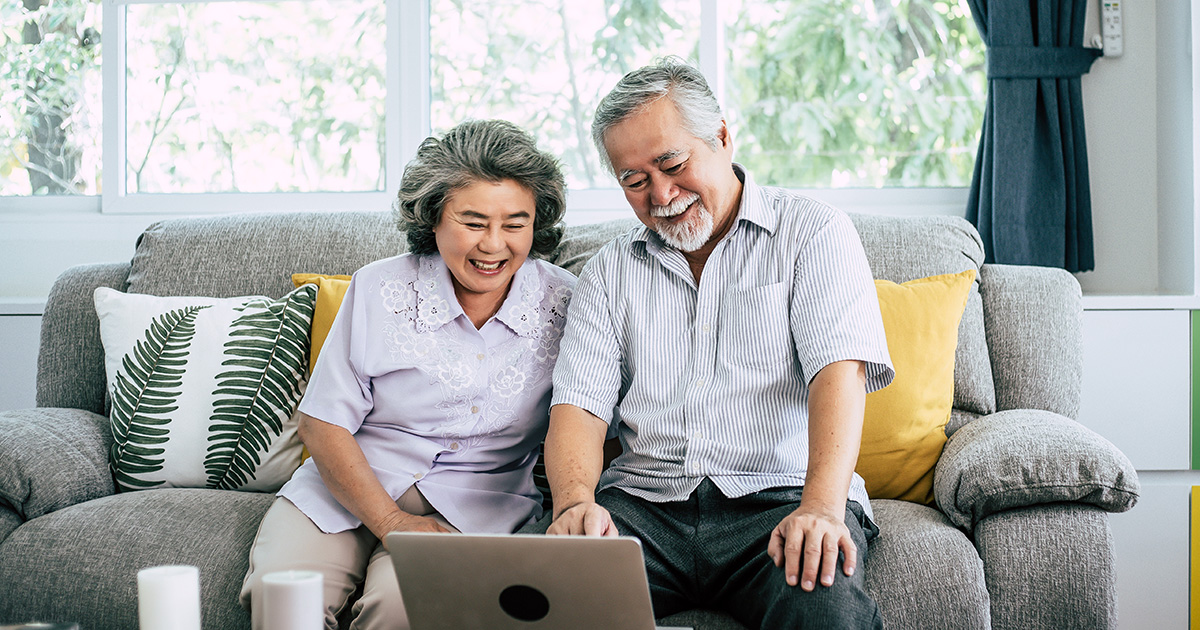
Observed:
{"x":484,"y":235}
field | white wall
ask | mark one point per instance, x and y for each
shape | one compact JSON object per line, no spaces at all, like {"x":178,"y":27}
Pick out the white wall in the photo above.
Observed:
{"x":1138,"y":114}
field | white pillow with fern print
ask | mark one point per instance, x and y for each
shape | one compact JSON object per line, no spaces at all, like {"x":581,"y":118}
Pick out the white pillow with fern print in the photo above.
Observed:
{"x":204,"y":390}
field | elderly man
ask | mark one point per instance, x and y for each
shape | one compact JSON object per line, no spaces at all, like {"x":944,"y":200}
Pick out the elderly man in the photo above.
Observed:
{"x":737,"y":334}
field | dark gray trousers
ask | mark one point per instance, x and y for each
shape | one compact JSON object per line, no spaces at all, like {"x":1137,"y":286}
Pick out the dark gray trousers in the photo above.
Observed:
{"x":710,"y":552}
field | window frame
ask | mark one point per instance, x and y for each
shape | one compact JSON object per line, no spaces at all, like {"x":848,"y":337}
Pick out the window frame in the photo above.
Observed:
{"x":407,"y":123}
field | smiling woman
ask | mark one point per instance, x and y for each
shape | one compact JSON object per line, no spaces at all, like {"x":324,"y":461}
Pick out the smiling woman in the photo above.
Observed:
{"x":430,"y":398}
{"x":484,"y":236}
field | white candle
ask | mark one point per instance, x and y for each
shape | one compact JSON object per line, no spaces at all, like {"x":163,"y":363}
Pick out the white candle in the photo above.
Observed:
{"x":292,"y":600}
{"x":169,"y":598}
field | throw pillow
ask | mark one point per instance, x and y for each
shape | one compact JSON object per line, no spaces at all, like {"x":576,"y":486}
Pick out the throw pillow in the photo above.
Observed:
{"x":330,"y":291}
{"x":904,"y":428}
{"x":204,"y":389}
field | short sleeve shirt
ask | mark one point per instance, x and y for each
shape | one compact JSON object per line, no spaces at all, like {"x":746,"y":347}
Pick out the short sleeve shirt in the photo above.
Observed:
{"x":431,"y":400}
{"x":712,"y":380}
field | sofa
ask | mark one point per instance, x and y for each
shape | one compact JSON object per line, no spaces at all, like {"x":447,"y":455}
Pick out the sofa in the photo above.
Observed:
{"x":1018,"y":536}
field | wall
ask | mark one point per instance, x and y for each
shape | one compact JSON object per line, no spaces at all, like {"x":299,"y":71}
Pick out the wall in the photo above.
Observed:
{"x":1138,"y":113}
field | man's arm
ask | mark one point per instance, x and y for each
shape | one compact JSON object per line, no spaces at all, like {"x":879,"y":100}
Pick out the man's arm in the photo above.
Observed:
{"x":350,"y":480}
{"x":574,"y":460}
{"x":807,"y":541}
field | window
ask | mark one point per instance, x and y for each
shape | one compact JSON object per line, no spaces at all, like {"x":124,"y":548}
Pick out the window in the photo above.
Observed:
{"x":255,"y":97}
{"x":854,"y":93}
{"x":545,"y":65}
{"x":319,"y":103}
{"x":50,"y":98}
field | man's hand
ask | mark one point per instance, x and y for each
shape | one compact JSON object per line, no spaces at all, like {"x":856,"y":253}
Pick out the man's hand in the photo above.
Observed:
{"x":805,"y":543}
{"x":583,"y":519}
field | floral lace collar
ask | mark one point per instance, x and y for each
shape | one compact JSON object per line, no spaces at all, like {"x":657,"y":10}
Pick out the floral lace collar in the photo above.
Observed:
{"x":437,"y":305}
{"x":522,"y":305}
{"x":436,"y":302}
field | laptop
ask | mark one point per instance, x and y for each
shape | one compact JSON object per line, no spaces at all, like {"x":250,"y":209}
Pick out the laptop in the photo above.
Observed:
{"x":521,"y":581}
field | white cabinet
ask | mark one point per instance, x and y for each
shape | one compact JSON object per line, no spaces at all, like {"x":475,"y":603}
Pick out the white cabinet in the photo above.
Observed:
{"x":1137,"y":382}
{"x":1152,"y":562}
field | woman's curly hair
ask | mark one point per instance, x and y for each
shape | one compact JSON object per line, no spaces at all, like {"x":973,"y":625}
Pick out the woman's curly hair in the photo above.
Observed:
{"x":479,"y":151}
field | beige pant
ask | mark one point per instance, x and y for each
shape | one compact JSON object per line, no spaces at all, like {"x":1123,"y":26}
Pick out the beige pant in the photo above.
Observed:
{"x":289,"y":541}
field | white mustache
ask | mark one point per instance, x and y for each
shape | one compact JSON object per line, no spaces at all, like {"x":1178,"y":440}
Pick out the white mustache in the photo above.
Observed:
{"x":680,"y":204}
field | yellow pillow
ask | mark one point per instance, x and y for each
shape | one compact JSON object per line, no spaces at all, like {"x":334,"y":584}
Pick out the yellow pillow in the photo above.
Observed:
{"x":904,"y":428}
{"x":330,"y":291}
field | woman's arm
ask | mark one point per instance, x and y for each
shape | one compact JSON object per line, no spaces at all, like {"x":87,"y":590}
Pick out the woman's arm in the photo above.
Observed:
{"x":349,"y":477}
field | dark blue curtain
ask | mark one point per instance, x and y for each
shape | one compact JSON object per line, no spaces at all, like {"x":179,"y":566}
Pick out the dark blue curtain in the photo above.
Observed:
{"x":1030,"y":196}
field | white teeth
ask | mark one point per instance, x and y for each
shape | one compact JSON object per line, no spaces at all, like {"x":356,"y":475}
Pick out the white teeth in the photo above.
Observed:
{"x":675,"y":208}
{"x":487,"y":266}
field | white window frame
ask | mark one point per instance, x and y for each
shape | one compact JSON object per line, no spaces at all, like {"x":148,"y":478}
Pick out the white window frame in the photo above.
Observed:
{"x":407,"y":122}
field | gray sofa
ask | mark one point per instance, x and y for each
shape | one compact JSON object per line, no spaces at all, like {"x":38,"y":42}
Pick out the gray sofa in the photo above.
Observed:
{"x":1019,"y":537}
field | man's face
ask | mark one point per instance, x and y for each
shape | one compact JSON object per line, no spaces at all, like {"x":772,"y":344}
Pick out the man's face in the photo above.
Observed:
{"x":677,"y":185}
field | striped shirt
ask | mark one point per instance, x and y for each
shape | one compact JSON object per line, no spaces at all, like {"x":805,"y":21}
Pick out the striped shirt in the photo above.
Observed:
{"x":702,"y":380}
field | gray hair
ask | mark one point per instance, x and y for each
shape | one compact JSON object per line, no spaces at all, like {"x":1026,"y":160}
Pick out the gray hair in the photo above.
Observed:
{"x":673,"y":78}
{"x":479,"y":151}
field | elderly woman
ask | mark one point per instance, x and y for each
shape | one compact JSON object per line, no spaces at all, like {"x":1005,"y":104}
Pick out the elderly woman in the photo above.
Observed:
{"x":430,"y":397}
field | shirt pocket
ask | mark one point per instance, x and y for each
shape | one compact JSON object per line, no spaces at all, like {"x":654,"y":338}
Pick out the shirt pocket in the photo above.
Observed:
{"x":754,"y":327}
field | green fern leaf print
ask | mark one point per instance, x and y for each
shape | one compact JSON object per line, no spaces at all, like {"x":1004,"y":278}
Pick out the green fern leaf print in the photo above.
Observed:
{"x":267,"y":356}
{"x":144,"y":395}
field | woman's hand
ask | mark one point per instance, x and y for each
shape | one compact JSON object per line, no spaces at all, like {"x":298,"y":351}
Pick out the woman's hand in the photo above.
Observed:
{"x":404,"y":522}
{"x":350,"y":480}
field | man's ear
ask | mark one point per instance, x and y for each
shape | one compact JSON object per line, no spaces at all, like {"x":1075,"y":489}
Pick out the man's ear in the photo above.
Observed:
{"x":723,"y":135}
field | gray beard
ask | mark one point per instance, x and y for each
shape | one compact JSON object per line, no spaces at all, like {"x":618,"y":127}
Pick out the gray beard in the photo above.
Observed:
{"x":688,"y":237}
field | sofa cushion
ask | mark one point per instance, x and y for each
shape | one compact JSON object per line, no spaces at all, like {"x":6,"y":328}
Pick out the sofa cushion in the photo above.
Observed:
{"x":80,"y":564}
{"x":1018,"y":458}
{"x":904,"y":425}
{"x":923,"y":572}
{"x":191,"y":256}
{"x":70,"y":367}
{"x":330,"y":291}
{"x":903,"y":248}
{"x":204,"y":389}
{"x":581,"y":242}
{"x":1035,"y":326}
{"x":52,"y":458}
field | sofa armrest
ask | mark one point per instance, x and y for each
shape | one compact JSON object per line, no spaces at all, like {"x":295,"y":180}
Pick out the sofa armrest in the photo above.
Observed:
{"x":71,"y":357}
{"x":53,"y":458}
{"x":1049,"y":567}
{"x":1027,"y":457}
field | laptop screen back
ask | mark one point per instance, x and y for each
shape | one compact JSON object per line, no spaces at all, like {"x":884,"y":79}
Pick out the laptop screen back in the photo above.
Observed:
{"x":498,"y":582}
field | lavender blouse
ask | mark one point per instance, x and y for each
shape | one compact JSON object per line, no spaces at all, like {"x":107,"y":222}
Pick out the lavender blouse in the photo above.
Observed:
{"x":432,"y":401}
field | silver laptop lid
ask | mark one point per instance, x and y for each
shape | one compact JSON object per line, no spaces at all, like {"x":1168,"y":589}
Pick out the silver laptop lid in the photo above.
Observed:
{"x":530,"y":582}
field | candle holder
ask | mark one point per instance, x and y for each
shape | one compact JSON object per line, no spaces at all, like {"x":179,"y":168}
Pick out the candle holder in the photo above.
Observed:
{"x":291,"y":600}
{"x":169,"y":598}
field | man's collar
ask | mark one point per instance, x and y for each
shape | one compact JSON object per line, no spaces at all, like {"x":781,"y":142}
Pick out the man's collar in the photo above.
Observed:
{"x":752,"y":207}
